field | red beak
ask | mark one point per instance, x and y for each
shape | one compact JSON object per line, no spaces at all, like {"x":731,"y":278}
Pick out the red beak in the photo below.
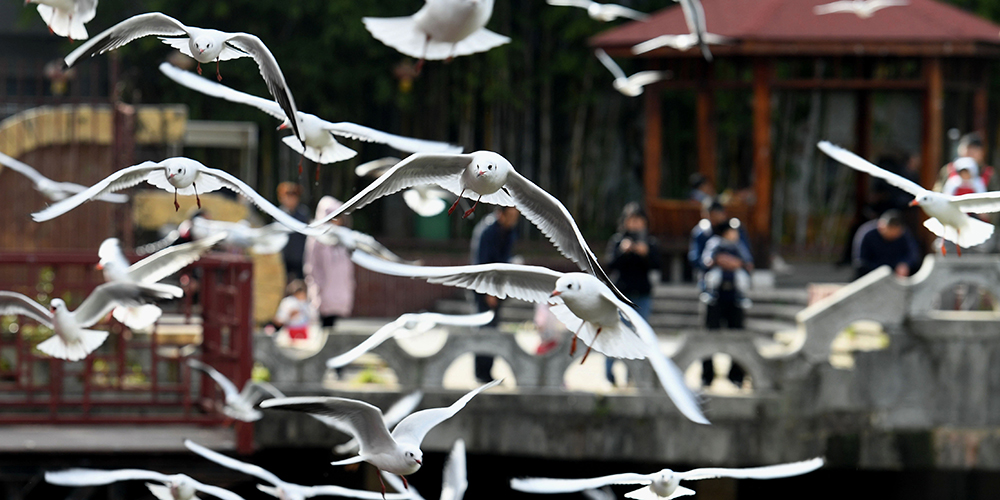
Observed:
{"x":99,"y":266}
{"x":914,"y":203}
{"x":283,"y":126}
{"x":418,"y":462}
{"x":480,"y":174}
{"x":555,"y":293}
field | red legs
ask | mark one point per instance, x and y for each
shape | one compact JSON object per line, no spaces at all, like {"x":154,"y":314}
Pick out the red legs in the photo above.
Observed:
{"x":199,"y":68}
{"x":944,"y":251}
{"x":177,"y":206}
{"x":453,"y":205}
{"x":420,"y":64}
{"x":405,"y":484}
{"x":218,"y":73}
{"x":379,"y":474}
{"x":196,"y":197}
{"x":473,"y":209}
{"x":572,"y":347}
{"x":591,"y":346}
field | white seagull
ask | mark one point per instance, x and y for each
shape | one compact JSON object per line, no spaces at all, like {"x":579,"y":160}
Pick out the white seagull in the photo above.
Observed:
{"x":72,"y":341}
{"x":51,"y":189}
{"x":861,"y":8}
{"x":398,"y":411}
{"x":183,"y":176}
{"x":281,"y":489}
{"x":605,"y":12}
{"x":630,"y":86}
{"x":67,"y":17}
{"x":204,"y":45}
{"x":441,"y":29}
{"x":664,"y":484}
{"x":408,"y":325}
{"x":948,"y":214}
{"x":352,"y":240}
{"x":426,"y":201}
{"x":679,"y":42}
{"x":454,"y":480}
{"x":268,"y":239}
{"x":320,"y":145}
{"x":239,"y":404}
{"x":486,"y":176}
{"x":152,"y":269}
{"x":581,"y":302}
{"x":398,"y":452}
{"x":171,"y":487}
{"x":694,"y":16}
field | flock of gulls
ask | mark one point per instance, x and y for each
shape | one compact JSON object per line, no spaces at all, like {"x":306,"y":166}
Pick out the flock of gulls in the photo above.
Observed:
{"x":587,"y":302}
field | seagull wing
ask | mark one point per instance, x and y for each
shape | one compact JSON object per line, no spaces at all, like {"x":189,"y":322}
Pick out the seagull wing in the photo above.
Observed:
{"x":530,"y":283}
{"x":583,"y":4}
{"x":766,"y":472}
{"x":604,"y":493}
{"x":152,"y":23}
{"x":400,"y":409}
{"x":555,"y":222}
{"x":215,"y":491}
{"x":15,"y":303}
{"x":376,"y":167}
{"x":232,"y":463}
{"x":620,"y":11}
{"x":111,"y":251}
{"x":643,"y":78}
{"x":832,"y":7}
{"x":415,"y":426}
{"x":549,"y":485}
{"x":408,"y":144}
{"x":95,"y":477}
{"x":978,"y":203}
{"x":228,"y":387}
{"x":858,"y":163}
{"x":271,"y":72}
{"x":172,"y":259}
{"x":208,"y":87}
{"x":238,"y":186}
{"x":455,"y":479}
{"x":122,"y":179}
{"x":106,"y":297}
{"x":23,"y":169}
{"x":415,"y":170}
{"x":609,"y":63}
{"x":368,"y":244}
{"x":381,"y":335}
{"x":362,"y":419}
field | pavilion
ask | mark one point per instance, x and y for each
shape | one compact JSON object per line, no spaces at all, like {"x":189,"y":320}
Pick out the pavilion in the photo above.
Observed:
{"x":926,"y":47}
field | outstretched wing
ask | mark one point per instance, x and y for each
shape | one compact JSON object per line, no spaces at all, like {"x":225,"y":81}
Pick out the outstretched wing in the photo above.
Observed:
{"x":95,"y":477}
{"x":362,"y":419}
{"x":23,"y":169}
{"x":643,"y":78}
{"x":455,"y":479}
{"x":415,"y":170}
{"x":232,"y":463}
{"x":106,"y":297}
{"x":208,"y":87}
{"x":374,"y":340}
{"x":549,"y":485}
{"x":766,"y":472}
{"x":400,"y":409}
{"x":583,"y":4}
{"x":978,"y":203}
{"x":376,"y":167}
{"x":610,"y":63}
{"x":271,"y":72}
{"x":248,"y":192}
{"x":531,"y":283}
{"x":172,"y":259}
{"x":408,"y":144}
{"x":415,"y":426}
{"x":858,"y":163}
{"x":122,"y":179}
{"x":832,"y":7}
{"x":228,"y":387}
{"x":16,"y":303}
{"x":620,"y":11}
{"x":152,"y":23}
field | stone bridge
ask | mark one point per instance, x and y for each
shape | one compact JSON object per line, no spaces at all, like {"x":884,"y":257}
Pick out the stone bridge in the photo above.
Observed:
{"x":931,"y":398}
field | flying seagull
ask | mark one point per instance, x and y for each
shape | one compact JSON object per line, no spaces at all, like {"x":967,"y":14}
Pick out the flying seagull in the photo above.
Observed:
{"x":426,"y":201}
{"x":171,"y":487}
{"x":605,"y":12}
{"x":398,"y":452}
{"x":486,"y":176}
{"x":183,"y":176}
{"x":204,"y":45}
{"x":72,"y":341}
{"x":582,"y":302}
{"x":861,"y":8}
{"x":630,"y":86}
{"x":152,"y":269}
{"x":679,"y":42}
{"x":67,"y":17}
{"x":454,"y":480}
{"x":51,"y":189}
{"x":281,"y":489}
{"x":320,"y":144}
{"x":694,"y":16}
{"x":239,"y":404}
{"x":948,"y":217}
{"x":665,"y":483}
{"x":441,"y":29}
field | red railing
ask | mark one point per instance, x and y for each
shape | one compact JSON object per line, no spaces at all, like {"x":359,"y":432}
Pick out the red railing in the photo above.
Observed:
{"x":131,"y":379}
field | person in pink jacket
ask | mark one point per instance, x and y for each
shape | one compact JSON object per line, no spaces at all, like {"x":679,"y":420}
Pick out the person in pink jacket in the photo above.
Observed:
{"x":329,"y":272}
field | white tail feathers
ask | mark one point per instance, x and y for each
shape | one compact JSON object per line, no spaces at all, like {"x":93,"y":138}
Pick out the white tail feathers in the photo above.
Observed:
{"x":973,"y":232}
{"x":73,"y":351}
{"x":480,"y":41}
{"x":646,"y":493}
{"x":332,"y":153}
{"x":348,"y":461}
{"x":402,"y":34}
{"x":63,"y":23}
{"x":137,"y":317}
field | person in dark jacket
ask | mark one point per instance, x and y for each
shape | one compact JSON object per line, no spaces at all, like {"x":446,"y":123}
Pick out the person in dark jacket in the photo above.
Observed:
{"x":885,"y":242}
{"x":492,"y":242}
{"x":289,"y":197}
{"x":632,"y":254}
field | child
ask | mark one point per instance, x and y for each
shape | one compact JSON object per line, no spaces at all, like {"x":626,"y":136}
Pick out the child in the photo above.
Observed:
{"x":294,"y":312}
{"x":966,"y":179}
{"x":726,"y":241}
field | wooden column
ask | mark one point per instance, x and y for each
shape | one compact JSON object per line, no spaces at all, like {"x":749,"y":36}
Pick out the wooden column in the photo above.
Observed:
{"x":706,"y":135}
{"x":862,"y":146}
{"x":654,"y":148}
{"x":762,"y":168}
{"x":980,"y":112}
{"x":932,"y":114}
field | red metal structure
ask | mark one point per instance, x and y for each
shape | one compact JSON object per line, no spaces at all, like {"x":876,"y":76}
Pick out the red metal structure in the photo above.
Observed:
{"x":128,"y":380}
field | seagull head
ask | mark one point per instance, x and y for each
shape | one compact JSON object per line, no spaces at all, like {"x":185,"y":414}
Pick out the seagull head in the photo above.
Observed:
{"x":490,"y":166}
{"x":179,"y":173}
{"x":414,"y":457}
{"x":56,"y":304}
{"x":204,"y":44}
{"x":568,"y":286}
{"x":665,"y":483}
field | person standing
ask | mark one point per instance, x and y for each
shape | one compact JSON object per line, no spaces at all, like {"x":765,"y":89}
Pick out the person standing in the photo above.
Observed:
{"x":492,"y":242}
{"x":632,"y":254}
{"x":329,"y":271}
{"x":885,"y":242}
{"x":289,"y":197}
